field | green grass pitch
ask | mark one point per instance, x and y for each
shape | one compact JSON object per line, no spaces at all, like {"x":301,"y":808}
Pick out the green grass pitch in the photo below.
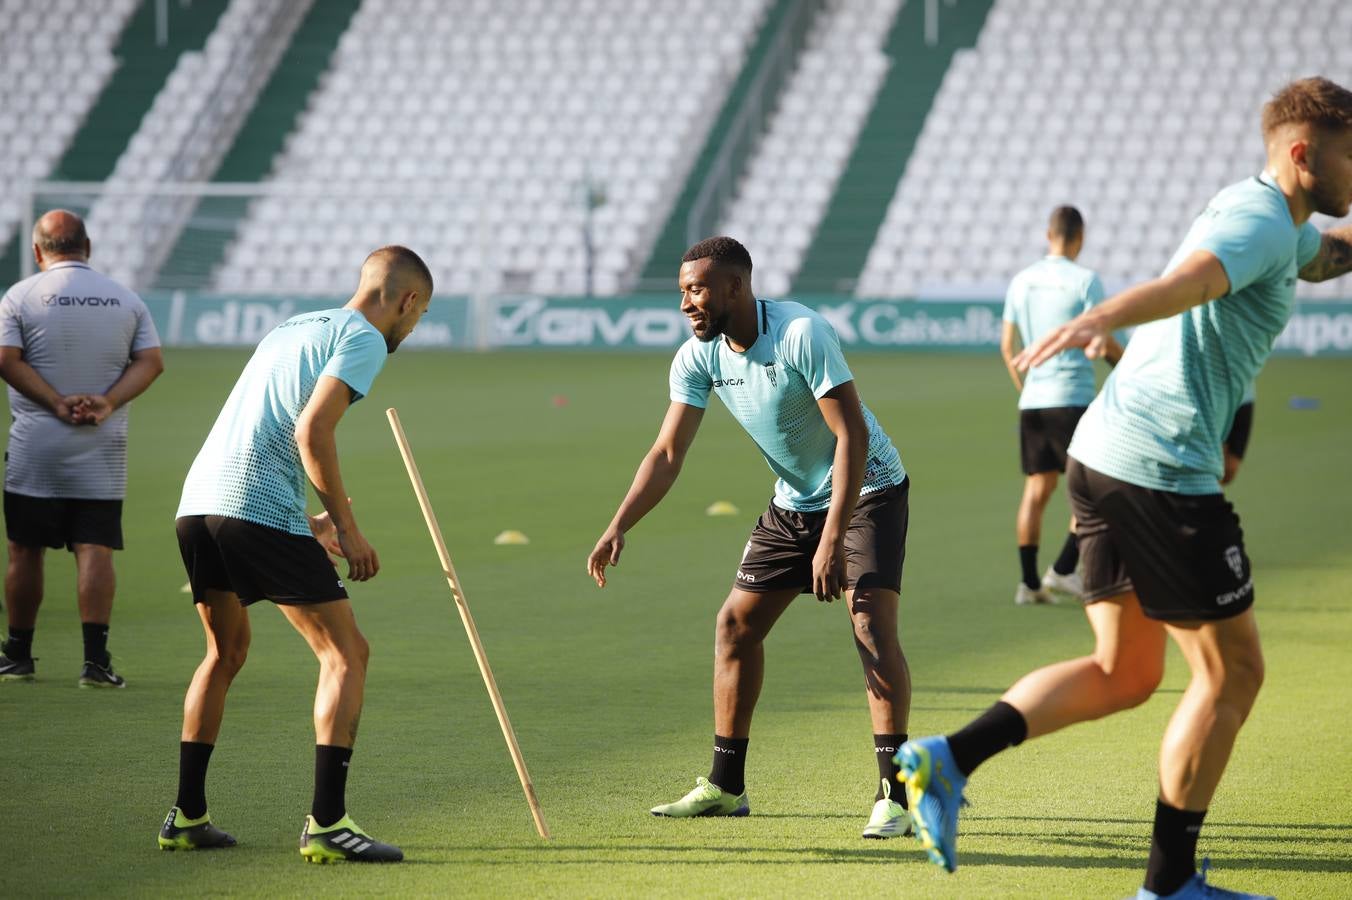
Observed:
{"x":610,"y":690}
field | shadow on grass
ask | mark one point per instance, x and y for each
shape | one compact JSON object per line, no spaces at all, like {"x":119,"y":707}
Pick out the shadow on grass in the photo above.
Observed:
{"x":1127,"y":857}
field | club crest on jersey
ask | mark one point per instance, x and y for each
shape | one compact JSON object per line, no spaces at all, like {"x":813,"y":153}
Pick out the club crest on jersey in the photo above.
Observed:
{"x":770,"y":373}
{"x":1235,"y":560}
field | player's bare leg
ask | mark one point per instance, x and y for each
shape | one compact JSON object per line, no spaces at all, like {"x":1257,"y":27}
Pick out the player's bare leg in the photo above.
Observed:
{"x":739,"y":655}
{"x":1226,"y":659}
{"x":887,"y":682}
{"x":23,"y":596}
{"x":331,"y":631}
{"x":1123,"y":671}
{"x":887,"y":677}
{"x":226,"y":625}
{"x":1037,"y":493}
{"x":96,"y":582}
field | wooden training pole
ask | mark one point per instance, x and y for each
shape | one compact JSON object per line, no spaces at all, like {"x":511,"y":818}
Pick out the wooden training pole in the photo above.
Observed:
{"x":448,"y":568}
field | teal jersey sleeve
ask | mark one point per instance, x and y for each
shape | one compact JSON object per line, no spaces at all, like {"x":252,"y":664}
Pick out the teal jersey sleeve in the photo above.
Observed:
{"x":1308,"y":244}
{"x":813,"y":351}
{"x":1093,"y":293}
{"x":357,"y":360}
{"x":690,"y":382}
{"x":1250,"y":244}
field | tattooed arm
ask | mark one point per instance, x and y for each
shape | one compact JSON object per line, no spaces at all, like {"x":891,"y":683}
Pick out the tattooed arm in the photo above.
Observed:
{"x":1334,"y":257}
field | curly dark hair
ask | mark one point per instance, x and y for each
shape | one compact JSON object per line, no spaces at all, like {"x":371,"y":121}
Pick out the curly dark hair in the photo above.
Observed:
{"x":724,"y":251}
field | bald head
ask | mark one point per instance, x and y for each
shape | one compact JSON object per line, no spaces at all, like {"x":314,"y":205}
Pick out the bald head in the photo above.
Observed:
{"x":60,"y":234}
{"x":395,"y":271}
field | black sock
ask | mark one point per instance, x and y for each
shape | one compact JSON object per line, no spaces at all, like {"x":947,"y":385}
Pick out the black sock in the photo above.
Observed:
{"x":729,"y":768}
{"x":95,"y":642}
{"x":885,"y":746}
{"x":1028,"y":560}
{"x":330,"y":803}
{"x":20,"y":644}
{"x":1000,"y":727}
{"x":1173,"y":848}
{"x":1070,"y":556}
{"x":192,"y":778}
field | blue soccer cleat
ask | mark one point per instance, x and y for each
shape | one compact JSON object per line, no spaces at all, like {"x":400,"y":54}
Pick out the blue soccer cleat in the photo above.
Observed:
{"x":934,"y":790}
{"x":1196,"y":888}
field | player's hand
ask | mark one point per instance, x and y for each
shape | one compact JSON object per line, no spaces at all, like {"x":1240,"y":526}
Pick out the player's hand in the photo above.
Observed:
{"x":362,"y":562}
{"x":828,"y":570}
{"x":606,"y":553}
{"x":322,"y":527}
{"x":92,"y":409}
{"x":1081,"y":331}
{"x":65,"y":409}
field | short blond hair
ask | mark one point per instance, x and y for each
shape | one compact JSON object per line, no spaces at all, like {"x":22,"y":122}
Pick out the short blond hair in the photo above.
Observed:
{"x":1309,"y":101}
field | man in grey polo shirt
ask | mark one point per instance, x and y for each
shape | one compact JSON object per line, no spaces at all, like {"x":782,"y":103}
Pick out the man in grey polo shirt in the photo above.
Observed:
{"x":75,"y":348}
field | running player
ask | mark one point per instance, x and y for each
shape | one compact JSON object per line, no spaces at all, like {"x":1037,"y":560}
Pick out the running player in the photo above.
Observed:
{"x":1162,"y":549}
{"x":245,"y":536}
{"x":837,"y":522}
{"x":1052,"y":398}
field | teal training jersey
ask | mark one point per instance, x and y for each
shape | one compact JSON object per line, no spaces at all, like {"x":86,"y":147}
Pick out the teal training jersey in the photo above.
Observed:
{"x":1046,"y":295}
{"x":1163,"y":412}
{"x":772,"y":390}
{"x":250,"y":467}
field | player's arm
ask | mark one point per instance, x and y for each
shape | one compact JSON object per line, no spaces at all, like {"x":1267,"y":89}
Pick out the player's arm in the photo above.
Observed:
{"x":18,"y":374}
{"x":145,"y":366}
{"x":316,"y":438}
{"x":844,"y":415}
{"x":1199,"y":279}
{"x":1009,"y":347}
{"x":1334,"y":257}
{"x":655,"y":476}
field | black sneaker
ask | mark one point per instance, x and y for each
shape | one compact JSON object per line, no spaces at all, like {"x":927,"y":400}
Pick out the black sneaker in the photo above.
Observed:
{"x":17,"y":669}
{"x":181,"y":833}
{"x":343,"y":840}
{"x":94,"y":675}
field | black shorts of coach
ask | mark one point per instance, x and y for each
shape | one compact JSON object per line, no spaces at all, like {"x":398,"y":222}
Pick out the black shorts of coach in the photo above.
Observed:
{"x":1182,"y":554}
{"x":255,"y":562}
{"x":1237,"y":440}
{"x":1044,"y":436}
{"x":783,"y":543}
{"x":62,"y":521}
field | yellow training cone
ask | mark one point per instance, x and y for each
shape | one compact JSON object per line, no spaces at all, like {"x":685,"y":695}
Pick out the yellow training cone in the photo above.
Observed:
{"x":721,"y":508}
{"x":511,"y":537}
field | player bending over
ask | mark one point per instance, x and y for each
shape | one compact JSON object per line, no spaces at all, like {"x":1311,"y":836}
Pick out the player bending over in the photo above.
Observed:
{"x":245,"y":536}
{"x":837,"y":521}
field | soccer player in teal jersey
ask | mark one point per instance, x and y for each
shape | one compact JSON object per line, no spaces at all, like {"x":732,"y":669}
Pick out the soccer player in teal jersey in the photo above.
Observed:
{"x":837,"y":521}
{"x":245,"y":536}
{"x":1054,"y":395}
{"x":1163,"y":556}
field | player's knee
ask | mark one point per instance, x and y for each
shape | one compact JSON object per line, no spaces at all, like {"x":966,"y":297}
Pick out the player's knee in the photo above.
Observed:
{"x":732,"y":631}
{"x":22,"y":555}
{"x":231,"y":657}
{"x":1242,"y":676}
{"x":873,"y":634}
{"x":1134,"y":677}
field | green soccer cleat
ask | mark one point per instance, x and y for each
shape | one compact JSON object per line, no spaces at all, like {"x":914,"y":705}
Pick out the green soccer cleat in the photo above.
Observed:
{"x":890,"y":819}
{"x":343,"y":840}
{"x":17,"y":669}
{"x":181,"y":833}
{"x":707,"y":799}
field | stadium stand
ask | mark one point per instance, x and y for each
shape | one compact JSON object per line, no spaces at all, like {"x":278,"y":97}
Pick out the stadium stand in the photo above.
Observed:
{"x":512,"y":125}
{"x":186,"y":134}
{"x":1134,"y":112}
{"x":794,"y":170}
{"x":36,"y":47}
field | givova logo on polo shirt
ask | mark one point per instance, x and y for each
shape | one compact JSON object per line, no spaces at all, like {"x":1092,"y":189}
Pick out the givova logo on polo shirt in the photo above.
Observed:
{"x":64,"y":300}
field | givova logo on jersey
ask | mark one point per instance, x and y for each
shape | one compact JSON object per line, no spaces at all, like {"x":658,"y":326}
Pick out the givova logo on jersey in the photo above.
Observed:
{"x":64,"y":300}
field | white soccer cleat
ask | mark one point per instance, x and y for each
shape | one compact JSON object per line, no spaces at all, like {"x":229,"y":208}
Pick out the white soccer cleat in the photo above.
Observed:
{"x":1071,"y":584}
{"x":889,"y":819}
{"x":1026,"y":596}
